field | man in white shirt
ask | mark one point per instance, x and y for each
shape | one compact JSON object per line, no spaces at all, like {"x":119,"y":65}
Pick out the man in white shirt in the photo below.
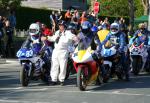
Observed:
{"x":63,"y":39}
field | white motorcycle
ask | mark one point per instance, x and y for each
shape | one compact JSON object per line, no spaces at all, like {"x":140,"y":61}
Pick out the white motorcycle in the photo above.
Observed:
{"x":111,"y":62}
{"x":138,"y":56}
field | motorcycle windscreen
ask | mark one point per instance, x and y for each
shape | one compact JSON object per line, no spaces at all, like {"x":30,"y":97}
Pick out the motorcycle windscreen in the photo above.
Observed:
{"x":84,"y":56}
{"x":108,"y":52}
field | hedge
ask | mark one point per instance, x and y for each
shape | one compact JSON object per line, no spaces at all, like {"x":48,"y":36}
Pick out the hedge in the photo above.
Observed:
{"x":25,"y":16}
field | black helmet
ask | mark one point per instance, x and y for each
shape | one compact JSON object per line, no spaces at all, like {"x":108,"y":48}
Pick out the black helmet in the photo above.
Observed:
{"x":86,"y":27}
{"x":72,"y":27}
{"x":62,"y":22}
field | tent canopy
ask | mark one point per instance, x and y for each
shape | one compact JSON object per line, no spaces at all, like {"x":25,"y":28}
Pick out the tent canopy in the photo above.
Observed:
{"x":143,"y":18}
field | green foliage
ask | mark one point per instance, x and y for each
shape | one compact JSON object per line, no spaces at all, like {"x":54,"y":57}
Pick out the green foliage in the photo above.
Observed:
{"x":119,"y":7}
{"x":114,"y":7}
{"x":89,"y":3}
{"x":139,"y":10}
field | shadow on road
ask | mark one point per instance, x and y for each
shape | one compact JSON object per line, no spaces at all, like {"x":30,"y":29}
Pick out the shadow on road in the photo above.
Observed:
{"x":141,"y":81}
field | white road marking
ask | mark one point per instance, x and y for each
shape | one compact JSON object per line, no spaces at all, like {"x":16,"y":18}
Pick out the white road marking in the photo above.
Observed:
{"x":17,"y":101}
{"x":115,"y":91}
{"x":22,"y":88}
{"x":11,"y":88}
{"x":109,"y":93}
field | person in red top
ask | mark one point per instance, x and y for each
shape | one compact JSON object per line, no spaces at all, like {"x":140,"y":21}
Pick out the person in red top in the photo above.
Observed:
{"x":46,"y":32}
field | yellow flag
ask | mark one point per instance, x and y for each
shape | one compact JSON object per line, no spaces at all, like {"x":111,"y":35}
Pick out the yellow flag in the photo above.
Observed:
{"x":102,"y":34}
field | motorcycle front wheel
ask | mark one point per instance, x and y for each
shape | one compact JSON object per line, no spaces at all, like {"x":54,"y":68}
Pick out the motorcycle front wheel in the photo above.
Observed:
{"x":136,"y":65}
{"x":24,"y":79}
{"x":81,"y":79}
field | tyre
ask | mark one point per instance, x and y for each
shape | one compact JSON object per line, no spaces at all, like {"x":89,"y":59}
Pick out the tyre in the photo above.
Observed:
{"x":99,"y":79}
{"x":120,"y":72}
{"x":45,"y":75}
{"x":107,"y":75}
{"x":147,"y":67}
{"x":24,"y":79}
{"x":136,"y":65}
{"x":81,"y":79}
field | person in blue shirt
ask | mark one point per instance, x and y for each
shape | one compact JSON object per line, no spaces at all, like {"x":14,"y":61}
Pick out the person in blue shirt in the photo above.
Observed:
{"x":117,"y":38}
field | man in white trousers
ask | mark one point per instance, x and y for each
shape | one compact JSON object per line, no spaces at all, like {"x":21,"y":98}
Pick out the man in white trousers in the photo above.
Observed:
{"x":62,"y":38}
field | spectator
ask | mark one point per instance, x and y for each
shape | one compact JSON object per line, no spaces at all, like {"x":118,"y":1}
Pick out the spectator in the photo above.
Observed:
{"x":47,"y":32}
{"x":91,"y":18}
{"x":59,"y":15}
{"x":123,"y":28}
{"x":1,"y":36}
{"x":68,"y":16}
{"x":1,"y":27}
{"x":83,"y":17}
{"x":9,"y":43}
{"x":53,"y":21}
{"x":106,"y":24}
{"x":12,"y":19}
{"x":76,"y":15}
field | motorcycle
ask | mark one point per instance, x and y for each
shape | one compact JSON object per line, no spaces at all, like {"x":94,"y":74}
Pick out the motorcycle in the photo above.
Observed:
{"x":34,"y":65}
{"x":138,"y":54}
{"x":87,"y":69}
{"x":111,"y":64}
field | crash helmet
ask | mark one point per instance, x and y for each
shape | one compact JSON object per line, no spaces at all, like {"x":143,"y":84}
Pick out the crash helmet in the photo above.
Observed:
{"x":114,"y":28}
{"x":86,"y":27}
{"x":34,"y":29}
{"x":142,"y":26}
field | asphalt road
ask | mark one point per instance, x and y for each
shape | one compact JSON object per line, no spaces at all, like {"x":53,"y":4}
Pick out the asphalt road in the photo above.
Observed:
{"x":135,"y":91}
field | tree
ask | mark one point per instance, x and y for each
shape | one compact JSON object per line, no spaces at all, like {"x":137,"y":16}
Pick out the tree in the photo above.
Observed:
{"x":145,"y":5}
{"x":131,"y":15}
{"x":138,"y":9}
{"x":114,"y":7}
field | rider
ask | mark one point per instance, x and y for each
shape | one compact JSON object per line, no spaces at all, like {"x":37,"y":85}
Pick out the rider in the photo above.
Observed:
{"x":140,"y":36}
{"x":34,"y":40}
{"x":34,"y":36}
{"x":117,"y":38}
{"x":88,"y":37}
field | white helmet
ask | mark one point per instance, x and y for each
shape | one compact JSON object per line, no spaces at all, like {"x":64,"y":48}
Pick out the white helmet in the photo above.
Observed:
{"x":34,"y":29}
{"x":114,"y":28}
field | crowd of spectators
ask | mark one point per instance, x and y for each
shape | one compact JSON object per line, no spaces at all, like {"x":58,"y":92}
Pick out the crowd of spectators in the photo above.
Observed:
{"x":7,"y":26}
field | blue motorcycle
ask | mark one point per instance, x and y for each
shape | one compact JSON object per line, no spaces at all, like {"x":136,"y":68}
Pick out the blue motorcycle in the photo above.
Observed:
{"x":35,"y":62}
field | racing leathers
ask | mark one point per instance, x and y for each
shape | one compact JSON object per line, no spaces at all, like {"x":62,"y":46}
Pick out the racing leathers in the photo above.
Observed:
{"x":118,"y":40}
{"x":142,"y":37}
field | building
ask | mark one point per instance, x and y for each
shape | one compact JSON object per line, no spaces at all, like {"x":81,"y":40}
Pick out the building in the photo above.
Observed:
{"x":56,"y":4}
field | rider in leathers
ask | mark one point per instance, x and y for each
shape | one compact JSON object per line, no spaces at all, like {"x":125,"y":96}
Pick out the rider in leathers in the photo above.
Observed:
{"x":117,"y":38}
{"x":140,"y":36}
{"x":88,"y":37}
{"x":34,"y":36}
